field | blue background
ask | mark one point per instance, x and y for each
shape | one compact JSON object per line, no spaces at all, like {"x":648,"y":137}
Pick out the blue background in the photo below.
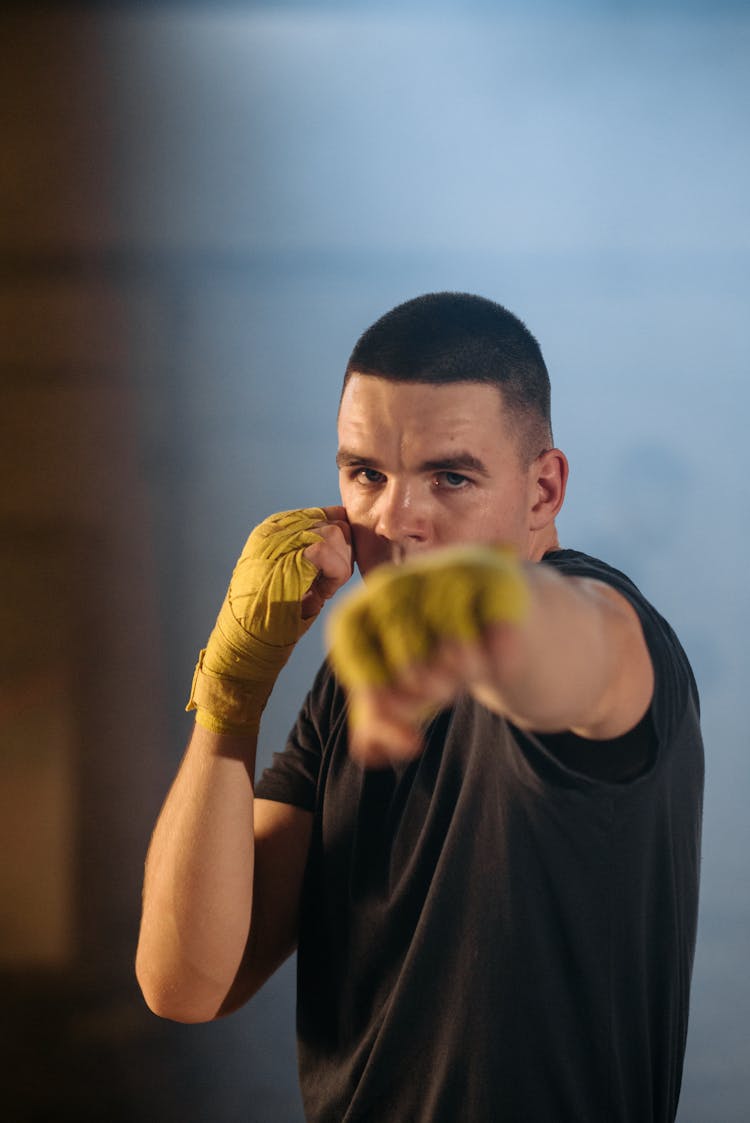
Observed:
{"x":264,"y":181}
{"x":587,"y":165}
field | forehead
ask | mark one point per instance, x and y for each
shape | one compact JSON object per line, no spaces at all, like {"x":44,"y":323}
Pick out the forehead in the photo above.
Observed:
{"x":415,"y":409}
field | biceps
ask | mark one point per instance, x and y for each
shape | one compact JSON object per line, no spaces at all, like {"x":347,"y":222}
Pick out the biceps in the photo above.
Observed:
{"x":282,"y":839}
{"x":630,"y":685}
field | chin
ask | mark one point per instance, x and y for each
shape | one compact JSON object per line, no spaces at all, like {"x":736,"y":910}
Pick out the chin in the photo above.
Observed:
{"x":366,"y":566}
{"x":369,"y":551}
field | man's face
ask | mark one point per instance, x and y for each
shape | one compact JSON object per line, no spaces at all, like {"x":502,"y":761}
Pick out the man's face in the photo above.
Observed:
{"x":422,"y":466}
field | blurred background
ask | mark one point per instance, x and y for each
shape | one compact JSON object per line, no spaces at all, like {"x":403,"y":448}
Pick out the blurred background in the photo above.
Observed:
{"x":202,"y":207}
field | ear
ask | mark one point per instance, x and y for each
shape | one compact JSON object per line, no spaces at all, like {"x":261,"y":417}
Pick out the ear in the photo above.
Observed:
{"x":548,"y":478}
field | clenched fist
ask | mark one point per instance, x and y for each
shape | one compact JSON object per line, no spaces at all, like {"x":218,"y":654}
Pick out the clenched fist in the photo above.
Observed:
{"x":292,"y":562}
{"x":418,"y":634}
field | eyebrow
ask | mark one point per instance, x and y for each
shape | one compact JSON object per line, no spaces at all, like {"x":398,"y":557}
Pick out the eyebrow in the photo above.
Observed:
{"x":455,"y":462}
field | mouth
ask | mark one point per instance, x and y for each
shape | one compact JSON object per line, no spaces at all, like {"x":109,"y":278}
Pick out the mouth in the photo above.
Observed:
{"x":395,"y":553}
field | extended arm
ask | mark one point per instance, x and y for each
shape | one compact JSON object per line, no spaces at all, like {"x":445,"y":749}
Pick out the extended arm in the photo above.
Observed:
{"x":577,"y":661}
{"x":549,"y":652}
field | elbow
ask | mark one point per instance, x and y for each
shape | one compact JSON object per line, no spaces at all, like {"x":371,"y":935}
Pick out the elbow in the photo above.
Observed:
{"x":174,"y":1009}
{"x":174,"y":999}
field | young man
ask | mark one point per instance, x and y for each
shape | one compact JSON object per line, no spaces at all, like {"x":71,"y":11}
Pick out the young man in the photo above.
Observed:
{"x":483,"y":835}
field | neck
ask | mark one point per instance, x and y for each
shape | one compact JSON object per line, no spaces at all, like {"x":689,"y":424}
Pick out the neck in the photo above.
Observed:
{"x":542,"y":541}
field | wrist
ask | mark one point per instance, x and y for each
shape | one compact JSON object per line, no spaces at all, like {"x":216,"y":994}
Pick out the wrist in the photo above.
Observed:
{"x":226,"y":704}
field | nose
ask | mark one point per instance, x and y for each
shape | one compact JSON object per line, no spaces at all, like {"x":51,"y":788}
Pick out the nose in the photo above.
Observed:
{"x":402,"y":516}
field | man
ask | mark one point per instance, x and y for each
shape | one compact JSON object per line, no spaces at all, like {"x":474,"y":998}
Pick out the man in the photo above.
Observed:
{"x":484,"y":833}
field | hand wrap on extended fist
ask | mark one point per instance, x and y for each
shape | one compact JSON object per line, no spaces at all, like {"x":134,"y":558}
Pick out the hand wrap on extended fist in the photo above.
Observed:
{"x":259,"y":623}
{"x":394,"y":631}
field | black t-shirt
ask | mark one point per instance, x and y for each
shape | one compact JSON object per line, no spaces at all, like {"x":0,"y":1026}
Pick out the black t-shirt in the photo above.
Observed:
{"x":501,"y":931}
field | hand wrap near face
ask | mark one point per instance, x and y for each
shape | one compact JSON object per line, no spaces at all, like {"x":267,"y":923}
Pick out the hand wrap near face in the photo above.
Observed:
{"x":402,"y":613}
{"x":259,"y":623}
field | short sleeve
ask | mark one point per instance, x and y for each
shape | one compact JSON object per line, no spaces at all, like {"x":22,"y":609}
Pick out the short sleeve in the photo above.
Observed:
{"x":294,"y":774}
{"x":675,"y":690}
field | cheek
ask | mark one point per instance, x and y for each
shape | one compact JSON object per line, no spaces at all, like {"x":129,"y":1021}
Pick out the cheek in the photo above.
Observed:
{"x":498,"y":518}
{"x":353,"y":502}
{"x":358,"y":513}
{"x":347,"y":497}
{"x":369,"y":550}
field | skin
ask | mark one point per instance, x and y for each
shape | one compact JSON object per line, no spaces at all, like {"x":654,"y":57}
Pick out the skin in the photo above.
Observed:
{"x":420,"y":467}
{"x":424,"y":466}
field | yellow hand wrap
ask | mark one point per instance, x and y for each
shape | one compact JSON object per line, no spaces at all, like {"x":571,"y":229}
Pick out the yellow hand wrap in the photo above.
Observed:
{"x":258,"y":625}
{"x":402,"y":612}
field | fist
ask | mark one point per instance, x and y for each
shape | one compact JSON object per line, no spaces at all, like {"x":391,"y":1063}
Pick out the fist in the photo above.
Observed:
{"x":292,"y":562}
{"x":417,"y":635}
{"x":332,"y":557}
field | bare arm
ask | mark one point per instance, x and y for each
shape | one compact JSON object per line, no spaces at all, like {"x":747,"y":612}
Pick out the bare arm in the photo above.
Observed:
{"x":578,"y":661}
{"x":224,"y":872}
{"x":574,"y":659}
{"x":205,"y":943}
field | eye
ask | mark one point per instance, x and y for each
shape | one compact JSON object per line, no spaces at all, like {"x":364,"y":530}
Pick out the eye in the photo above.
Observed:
{"x":367,"y":476}
{"x":451,"y":481}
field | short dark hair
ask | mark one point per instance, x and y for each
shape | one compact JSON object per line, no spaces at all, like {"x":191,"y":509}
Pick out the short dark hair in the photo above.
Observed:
{"x":456,"y":337}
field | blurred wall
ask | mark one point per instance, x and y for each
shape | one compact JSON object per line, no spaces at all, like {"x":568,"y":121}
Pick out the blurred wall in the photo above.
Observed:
{"x":202,"y":206}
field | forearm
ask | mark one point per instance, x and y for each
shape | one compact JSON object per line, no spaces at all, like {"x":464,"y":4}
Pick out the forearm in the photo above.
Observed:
{"x":197,"y":897}
{"x":196,"y":957}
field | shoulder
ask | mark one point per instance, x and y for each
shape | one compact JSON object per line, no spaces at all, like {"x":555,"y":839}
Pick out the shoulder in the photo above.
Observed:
{"x":326,"y":696}
{"x":675,"y":688}
{"x":575,"y":563}
{"x":294,"y":774}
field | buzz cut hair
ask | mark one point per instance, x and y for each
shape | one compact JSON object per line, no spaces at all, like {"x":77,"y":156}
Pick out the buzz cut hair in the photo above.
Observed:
{"x":446,"y":337}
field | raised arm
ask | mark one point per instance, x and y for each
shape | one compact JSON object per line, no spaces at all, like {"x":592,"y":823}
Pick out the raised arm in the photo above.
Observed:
{"x":224,"y":872}
{"x":548,"y":651}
